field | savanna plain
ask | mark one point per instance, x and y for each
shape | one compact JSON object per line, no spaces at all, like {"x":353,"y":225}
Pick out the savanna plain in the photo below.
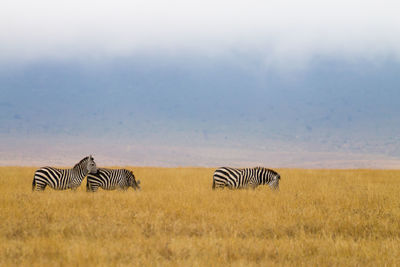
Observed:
{"x":319,"y":217}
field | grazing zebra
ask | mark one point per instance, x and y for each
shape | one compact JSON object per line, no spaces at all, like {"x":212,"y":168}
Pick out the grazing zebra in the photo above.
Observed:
{"x":244,"y":178}
{"x":61,"y":179}
{"x":110,"y":179}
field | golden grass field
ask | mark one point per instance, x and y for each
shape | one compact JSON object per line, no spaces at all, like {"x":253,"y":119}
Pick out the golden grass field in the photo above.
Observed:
{"x":319,"y":217}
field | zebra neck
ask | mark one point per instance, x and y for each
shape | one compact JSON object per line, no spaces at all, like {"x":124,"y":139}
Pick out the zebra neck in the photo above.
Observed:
{"x":79,"y":172}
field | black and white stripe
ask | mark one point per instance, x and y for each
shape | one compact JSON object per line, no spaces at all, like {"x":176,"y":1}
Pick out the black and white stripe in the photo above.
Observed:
{"x":110,"y":179}
{"x":244,"y":178}
{"x":61,"y":179}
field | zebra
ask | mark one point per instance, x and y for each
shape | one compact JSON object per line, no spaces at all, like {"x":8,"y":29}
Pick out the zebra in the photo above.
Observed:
{"x":110,"y":179}
{"x":244,"y":178}
{"x":61,"y":179}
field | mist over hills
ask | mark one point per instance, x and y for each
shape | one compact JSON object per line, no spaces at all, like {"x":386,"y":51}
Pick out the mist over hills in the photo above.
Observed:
{"x":225,"y":108}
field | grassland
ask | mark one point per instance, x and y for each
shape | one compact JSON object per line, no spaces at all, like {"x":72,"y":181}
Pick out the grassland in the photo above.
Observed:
{"x":319,"y":217}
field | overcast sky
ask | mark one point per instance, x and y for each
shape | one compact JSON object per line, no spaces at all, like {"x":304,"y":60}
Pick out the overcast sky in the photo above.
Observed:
{"x":276,"y":30}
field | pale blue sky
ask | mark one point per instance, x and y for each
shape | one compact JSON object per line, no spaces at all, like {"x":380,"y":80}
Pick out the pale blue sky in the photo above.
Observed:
{"x":276,"y":83}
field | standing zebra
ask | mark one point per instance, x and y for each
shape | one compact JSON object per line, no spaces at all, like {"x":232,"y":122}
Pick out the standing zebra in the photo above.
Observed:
{"x":61,"y":179}
{"x":110,"y":179}
{"x":244,"y":178}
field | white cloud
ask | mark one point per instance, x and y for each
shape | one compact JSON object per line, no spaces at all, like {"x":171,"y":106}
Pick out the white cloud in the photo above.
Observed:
{"x":279,"y":30}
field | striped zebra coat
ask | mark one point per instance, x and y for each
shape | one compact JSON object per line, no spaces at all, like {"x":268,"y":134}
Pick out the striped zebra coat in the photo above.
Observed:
{"x":245,"y":178}
{"x":61,"y":179}
{"x":110,"y":179}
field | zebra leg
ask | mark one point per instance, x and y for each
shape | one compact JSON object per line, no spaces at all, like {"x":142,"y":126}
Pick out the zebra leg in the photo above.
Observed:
{"x":231,"y":187}
{"x":92,"y":188}
{"x":250,"y":186}
{"x":33,"y":184}
{"x":218,"y":185}
{"x":40,"y":186}
{"x":221,"y":186}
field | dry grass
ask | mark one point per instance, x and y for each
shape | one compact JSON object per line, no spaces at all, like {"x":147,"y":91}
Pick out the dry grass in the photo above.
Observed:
{"x":319,"y":217}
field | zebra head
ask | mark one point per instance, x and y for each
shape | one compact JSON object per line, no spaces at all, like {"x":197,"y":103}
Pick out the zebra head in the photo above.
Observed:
{"x":91,"y":165}
{"x":274,"y":184}
{"x":132,"y":181}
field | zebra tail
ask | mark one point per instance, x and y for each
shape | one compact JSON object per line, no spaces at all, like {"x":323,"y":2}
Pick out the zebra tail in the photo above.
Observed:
{"x":33,"y":183}
{"x":213,"y":186}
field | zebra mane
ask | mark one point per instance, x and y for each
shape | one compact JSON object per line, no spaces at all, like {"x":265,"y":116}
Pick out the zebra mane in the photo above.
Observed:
{"x":80,"y":162}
